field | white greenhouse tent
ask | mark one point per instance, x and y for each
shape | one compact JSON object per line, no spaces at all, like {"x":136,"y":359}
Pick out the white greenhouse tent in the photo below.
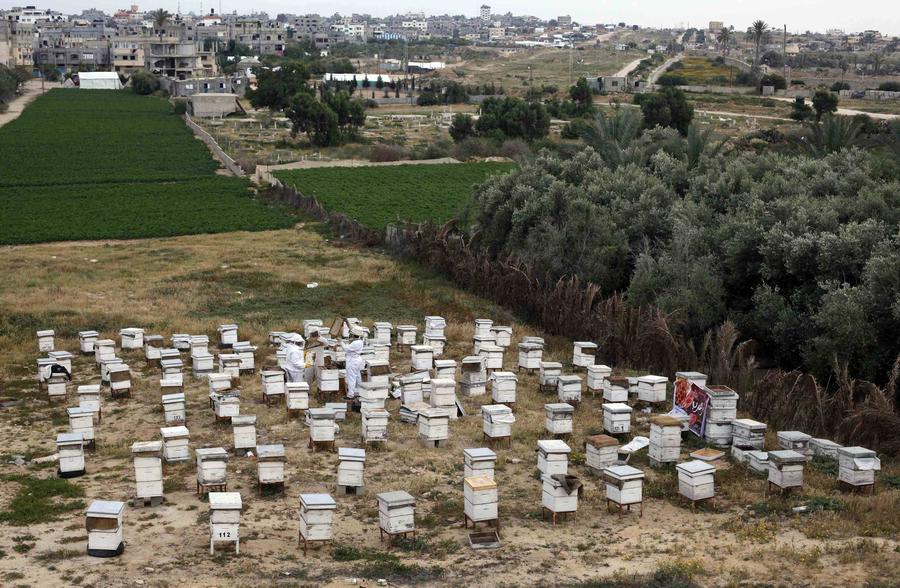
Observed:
{"x":99,"y":80}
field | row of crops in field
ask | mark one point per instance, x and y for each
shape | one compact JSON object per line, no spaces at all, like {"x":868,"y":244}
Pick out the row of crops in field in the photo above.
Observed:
{"x":81,"y":164}
{"x":378,"y":195}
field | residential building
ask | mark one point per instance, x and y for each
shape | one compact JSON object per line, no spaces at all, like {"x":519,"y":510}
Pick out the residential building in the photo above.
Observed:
{"x":174,"y":52}
{"x":485,"y":13}
{"x":564,"y":21}
{"x":6,"y":43}
{"x":128,"y":53}
{"x":30,"y":15}
{"x":264,"y":38}
{"x":716,"y":26}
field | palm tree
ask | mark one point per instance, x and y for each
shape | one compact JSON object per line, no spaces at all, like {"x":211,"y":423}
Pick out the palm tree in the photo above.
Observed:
{"x":724,"y":39}
{"x":832,"y":134}
{"x":757,"y":31}
{"x":160,"y":18}
{"x":611,"y":134}
{"x":699,"y":143}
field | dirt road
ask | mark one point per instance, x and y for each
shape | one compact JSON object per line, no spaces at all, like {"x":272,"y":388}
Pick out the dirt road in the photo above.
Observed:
{"x":30,"y":91}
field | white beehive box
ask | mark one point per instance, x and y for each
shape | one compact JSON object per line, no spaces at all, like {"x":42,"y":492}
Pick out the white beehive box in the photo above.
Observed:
{"x":616,"y":418}
{"x":481,"y":498}
{"x":600,"y":452}
{"x":105,"y":366}
{"x":270,"y":464}
{"x":153,"y":345}
{"x":44,"y":367}
{"x":351,"y":464}
{"x":273,"y":384}
{"x":81,"y":420}
{"x":435,"y":325}
{"x":553,"y":456}
{"x":493,"y":356}
{"x":219,"y":382}
{"x":434,"y":424}
{"x":422,"y":357}
{"x":382,"y":333}
{"x":378,"y":372}
{"x":176,"y":443}
{"x":86,"y":340}
{"x":396,"y":512}
{"x":89,"y":398}
{"x":615,"y":389}
{"x":786,"y":468}
{"x":479,"y":461}
{"x":696,"y":479}
{"x":436,"y":342}
{"x":63,"y":358}
{"x":228,"y":335}
{"x":502,"y":336}
{"x":224,"y":519}
{"x":857,"y":466}
{"x":443,"y":394}
{"x":309,"y":325}
{"x":321,"y":424}
{"x":498,"y":420}
{"x":445,"y":369}
{"x":244,"y":430}
{"x":652,"y":388}
{"x":411,"y":388}
{"x":247,"y":353}
{"x":722,"y":403}
{"x":824,"y":448}
{"x":227,"y":405}
{"x":559,"y":418}
{"x":568,"y":388}
{"x":748,"y":433}
{"x":633,"y":386}
{"x":277,"y":338}
{"x":174,"y":408}
{"x":70,"y":448}
{"x":795,"y":441}
{"x":693,"y":377}
{"x":171,"y":369}
{"x":297,"y":395}
{"x":180,"y":341}
{"x":212,"y":466}
{"x":202,"y":361}
{"x":550,"y":371}
{"x":624,"y":484}
{"x":104,"y":349}
{"x":381,"y":352}
{"x":406,"y":335}
{"x":530,"y":355}
{"x":483,"y":327}
{"x":757,"y":461}
{"x":596,"y":377}
{"x":584,"y":354}
{"x":665,"y":439}
{"x":148,"y":476}
{"x":131,"y":338}
{"x":718,"y":433}
{"x":230,"y":363}
{"x":46,"y":340}
{"x":554,"y":496}
{"x":479,"y":341}
{"x":199,"y":343}
{"x":503,"y":387}
{"x":329,"y":380}
{"x":473,"y":376}
{"x":316,"y":516}
{"x":374,"y":424}
{"x":58,"y":386}
{"x":105,"y":525}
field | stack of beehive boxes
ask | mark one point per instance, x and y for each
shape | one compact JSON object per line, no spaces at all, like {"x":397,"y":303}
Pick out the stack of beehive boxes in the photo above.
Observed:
{"x":171,"y":369}
{"x":857,"y":466}
{"x":498,"y":420}
{"x":553,"y":456}
{"x":473,"y":376}
{"x":503,"y":387}
{"x":70,"y":448}
{"x":105,"y":525}
{"x":483,"y":328}
{"x":596,"y":378}
{"x":174,"y":408}
{"x":411,"y":388}
{"x":492,"y":355}
{"x":181,"y":342}
{"x":530,"y":355}
{"x":105,"y":365}
{"x":652,"y":389}
{"x":502,"y":336}
{"x":824,"y":448}
{"x":406,"y":335}
{"x":148,"y":475}
{"x":665,"y":440}
{"x":786,"y":468}
{"x":696,"y":480}
{"x":445,"y":369}
{"x":479,"y":461}
{"x":616,"y":418}
{"x":131,"y":338}
{"x":559,"y":418}
{"x":584,"y":354}
{"x":153,"y":345}
{"x":615,"y":389}
{"x":396,"y":512}
{"x":81,"y":420}
{"x":228,"y":335}
{"x":568,"y":388}
{"x":176,"y":443}
{"x":297,"y":395}
{"x":795,"y":441}
{"x":329,"y":379}
{"x":351,"y":462}
{"x":374,"y":424}
{"x":227,"y":405}
{"x":309,"y":325}
{"x":600,"y":452}
{"x":272,"y":385}
{"x":244,"y":431}
{"x":212,"y":468}
{"x":434,"y":426}
{"x":270,"y":464}
{"x":624,"y":485}
{"x":382,"y":333}
{"x":443,"y":396}
{"x":481,"y":499}
{"x":422,"y":358}
{"x":89,"y":398}
{"x":556,"y":497}
{"x":748,"y":434}
{"x":202,"y":362}
{"x":316,"y":517}
{"x":224,"y":519}
{"x":46,"y":340}
{"x":86,"y":340}
{"x":720,"y":413}
{"x":757,"y":461}
{"x":321,"y":424}
{"x":58,"y":385}
{"x":119,"y":379}
{"x":372,"y":396}
{"x":230,"y":363}
{"x":104,"y":349}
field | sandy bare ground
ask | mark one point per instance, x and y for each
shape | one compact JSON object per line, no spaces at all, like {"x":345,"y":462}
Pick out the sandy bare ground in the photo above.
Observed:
{"x":192,"y":284}
{"x":30,"y":90}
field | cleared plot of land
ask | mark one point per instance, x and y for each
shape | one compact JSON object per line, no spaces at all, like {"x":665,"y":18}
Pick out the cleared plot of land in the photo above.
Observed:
{"x":698,"y":71}
{"x":108,"y":164}
{"x":376,"y":196}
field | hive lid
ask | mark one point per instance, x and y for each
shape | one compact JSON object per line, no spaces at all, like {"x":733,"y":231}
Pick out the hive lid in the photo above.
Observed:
{"x":553,"y":446}
{"x":495,"y":409}
{"x":444,"y":363}
{"x":602,"y":441}
{"x":146,"y":447}
{"x":707,"y":454}
{"x":569,"y":379}
{"x":130,"y":330}
{"x":317,"y":502}
{"x":45,"y":333}
{"x":530,"y":346}
{"x":599,"y":368}
{"x":351,"y":454}
{"x":504,"y":377}
{"x":480,"y":483}
{"x":211,"y":453}
{"x":172,"y":398}
{"x":275,"y":451}
{"x":434,"y":413}
{"x":104,"y":343}
{"x":560,"y":407}
{"x":320,"y":413}
{"x":586,"y":344}
{"x":793,"y":436}
{"x":116,"y":368}
{"x":225,"y":500}
{"x":480,"y":454}
{"x":616,"y":407}
{"x":172,"y":363}
{"x":174,"y":432}
{"x":690,"y":375}
{"x":377,"y":412}
{"x":297,"y":386}
{"x":88,"y":334}
{"x":244,"y":419}
{"x":855,"y":452}
{"x":665,"y":421}
{"x":551,"y":365}
{"x":384,"y":325}
{"x":749,"y":423}
{"x":758,"y":455}
{"x":153,"y":339}
{"x":696,"y":467}
{"x":218,"y":377}
{"x":484,"y":322}
{"x":406,"y":327}
{"x":652,"y":380}
{"x":105,"y":508}
{"x":620,"y":381}
{"x":396,"y":498}
{"x":79,"y":411}
{"x":623,"y":472}
{"x":501,"y":329}
{"x":721,"y":392}
{"x":824,"y":443}
{"x":422,"y":348}
{"x":473,"y":359}
{"x":443,"y":383}
{"x":89,"y":389}
{"x":228,"y":327}
{"x":69,"y":438}
{"x":60,"y":354}
{"x":786,"y":456}
{"x":200,"y":354}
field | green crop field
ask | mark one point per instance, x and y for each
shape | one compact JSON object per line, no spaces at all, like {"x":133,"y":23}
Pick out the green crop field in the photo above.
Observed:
{"x":100,"y":164}
{"x":378,"y":195}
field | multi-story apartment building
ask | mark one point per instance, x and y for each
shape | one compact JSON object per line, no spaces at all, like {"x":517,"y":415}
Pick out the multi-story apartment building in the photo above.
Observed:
{"x":174,"y":51}
{"x":264,"y":38}
{"x":128,"y":53}
{"x":6,"y":43}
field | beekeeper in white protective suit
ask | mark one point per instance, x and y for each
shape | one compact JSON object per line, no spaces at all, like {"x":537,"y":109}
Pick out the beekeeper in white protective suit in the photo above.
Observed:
{"x":294,"y":362}
{"x":353,"y":366}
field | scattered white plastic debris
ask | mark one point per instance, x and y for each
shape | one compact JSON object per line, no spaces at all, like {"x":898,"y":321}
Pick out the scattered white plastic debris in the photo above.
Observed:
{"x":46,"y":459}
{"x":249,"y":454}
{"x":224,"y":266}
{"x":238,"y":292}
{"x":313,"y":285}
{"x":635,"y":444}
{"x":93,"y":261}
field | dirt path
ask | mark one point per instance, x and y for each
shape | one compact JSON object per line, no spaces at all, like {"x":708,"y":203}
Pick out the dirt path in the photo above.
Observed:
{"x":847,"y":111}
{"x":628,"y":68}
{"x":30,"y":90}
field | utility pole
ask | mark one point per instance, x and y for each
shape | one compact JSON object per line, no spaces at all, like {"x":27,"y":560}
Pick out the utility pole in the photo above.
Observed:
{"x":784,"y":56}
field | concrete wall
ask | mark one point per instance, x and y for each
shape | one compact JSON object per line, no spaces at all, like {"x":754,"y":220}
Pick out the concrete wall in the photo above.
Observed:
{"x":217,"y":151}
{"x":212,"y":105}
{"x":720,"y":89}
